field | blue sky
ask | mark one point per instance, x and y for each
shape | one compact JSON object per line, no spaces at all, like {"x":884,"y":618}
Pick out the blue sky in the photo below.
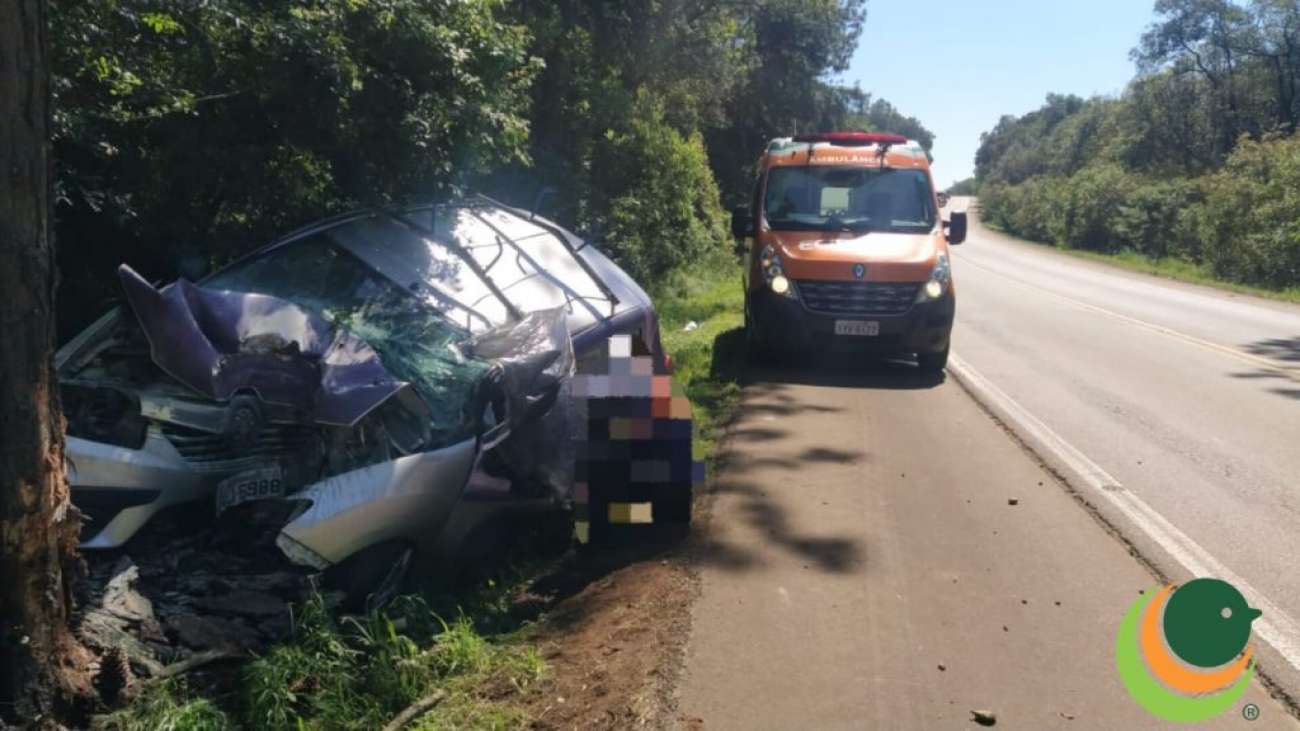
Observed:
{"x":960,"y":65}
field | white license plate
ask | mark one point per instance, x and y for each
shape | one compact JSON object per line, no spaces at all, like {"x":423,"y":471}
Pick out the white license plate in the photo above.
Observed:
{"x":263,"y":483}
{"x":857,"y":327}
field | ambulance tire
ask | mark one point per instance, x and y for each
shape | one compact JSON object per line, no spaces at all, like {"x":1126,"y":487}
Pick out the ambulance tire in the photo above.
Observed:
{"x":933,"y":362}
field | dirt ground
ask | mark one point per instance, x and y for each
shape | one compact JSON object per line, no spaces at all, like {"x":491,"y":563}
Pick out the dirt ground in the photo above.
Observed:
{"x":616,"y":643}
{"x":614,"y":647}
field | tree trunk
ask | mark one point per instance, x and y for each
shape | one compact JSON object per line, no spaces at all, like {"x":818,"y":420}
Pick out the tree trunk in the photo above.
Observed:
{"x":41,"y":664}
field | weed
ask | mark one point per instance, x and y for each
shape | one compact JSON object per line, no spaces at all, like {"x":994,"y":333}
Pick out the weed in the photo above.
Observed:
{"x":167,"y":706}
{"x":708,"y":359}
{"x":359,"y":672}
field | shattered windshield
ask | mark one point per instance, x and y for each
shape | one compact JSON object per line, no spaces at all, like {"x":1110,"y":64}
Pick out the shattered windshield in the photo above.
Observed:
{"x":840,"y":198}
{"x":414,"y":341}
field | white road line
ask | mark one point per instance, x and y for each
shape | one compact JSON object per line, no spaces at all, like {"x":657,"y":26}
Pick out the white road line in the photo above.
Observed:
{"x":1259,"y":361}
{"x":1275,"y":628}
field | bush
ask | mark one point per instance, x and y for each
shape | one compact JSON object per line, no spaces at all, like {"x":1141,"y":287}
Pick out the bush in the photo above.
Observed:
{"x":1091,"y":201}
{"x":361,"y":672}
{"x":1250,"y":226}
{"x":962,"y":187}
{"x":1242,"y":221}
{"x":1031,"y":209}
{"x":662,"y":203}
{"x":167,"y":706}
{"x":186,"y":133}
{"x":1159,"y":219}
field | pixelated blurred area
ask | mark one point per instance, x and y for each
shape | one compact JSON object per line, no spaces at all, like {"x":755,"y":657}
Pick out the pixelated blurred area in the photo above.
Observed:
{"x":634,"y":472}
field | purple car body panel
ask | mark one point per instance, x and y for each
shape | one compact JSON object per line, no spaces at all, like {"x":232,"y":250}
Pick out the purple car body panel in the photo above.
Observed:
{"x":220,"y":343}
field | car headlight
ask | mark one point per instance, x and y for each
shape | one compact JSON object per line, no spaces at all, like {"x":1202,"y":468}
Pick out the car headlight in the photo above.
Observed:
{"x":774,"y":274}
{"x":940,"y":277}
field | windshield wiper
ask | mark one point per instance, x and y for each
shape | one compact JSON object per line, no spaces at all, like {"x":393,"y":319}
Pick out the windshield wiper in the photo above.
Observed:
{"x":857,"y":226}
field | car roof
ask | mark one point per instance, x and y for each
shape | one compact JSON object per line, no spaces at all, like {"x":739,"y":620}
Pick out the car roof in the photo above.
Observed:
{"x":482,"y":262}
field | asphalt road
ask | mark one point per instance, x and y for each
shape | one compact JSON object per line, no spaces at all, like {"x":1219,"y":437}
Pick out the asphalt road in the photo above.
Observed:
{"x":1187,"y":398}
{"x":862,"y":535}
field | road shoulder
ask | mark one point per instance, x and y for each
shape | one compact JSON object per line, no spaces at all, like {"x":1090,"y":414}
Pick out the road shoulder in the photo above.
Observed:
{"x":867,"y":568}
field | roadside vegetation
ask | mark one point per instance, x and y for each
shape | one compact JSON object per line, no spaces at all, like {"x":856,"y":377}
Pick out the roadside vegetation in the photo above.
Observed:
{"x":187,"y":134}
{"x":708,"y":358}
{"x":963,"y":187}
{"x":1193,"y":172}
{"x":359,"y":673}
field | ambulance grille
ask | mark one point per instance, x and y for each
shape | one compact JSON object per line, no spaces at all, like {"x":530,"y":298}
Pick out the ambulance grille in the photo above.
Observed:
{"x":857,"y":298}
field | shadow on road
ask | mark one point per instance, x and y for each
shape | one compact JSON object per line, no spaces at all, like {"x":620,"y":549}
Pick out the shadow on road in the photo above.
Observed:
{"x":1282,"y":350}
{"x":849,"y":371}
{"x":836,"y":555}
{"x":1286,"y":350}
{"x":755,"y":446}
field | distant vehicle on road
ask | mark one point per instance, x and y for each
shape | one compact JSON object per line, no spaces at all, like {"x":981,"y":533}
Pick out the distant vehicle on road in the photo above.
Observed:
{"x":847,"y":249}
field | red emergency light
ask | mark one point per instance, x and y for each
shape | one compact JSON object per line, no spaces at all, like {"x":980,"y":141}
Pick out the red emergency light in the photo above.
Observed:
{"x":853,"y":139}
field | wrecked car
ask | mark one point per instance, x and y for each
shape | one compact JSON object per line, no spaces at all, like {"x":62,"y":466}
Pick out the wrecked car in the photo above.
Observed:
{"x":371,"y":377}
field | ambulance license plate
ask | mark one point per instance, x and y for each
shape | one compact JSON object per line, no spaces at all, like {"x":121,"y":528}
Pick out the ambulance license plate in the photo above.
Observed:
{"x":858,"y":328}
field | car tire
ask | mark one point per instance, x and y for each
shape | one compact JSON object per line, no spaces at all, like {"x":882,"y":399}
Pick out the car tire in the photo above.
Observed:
{"x":757,"y":349}
{"x":933,"y":362}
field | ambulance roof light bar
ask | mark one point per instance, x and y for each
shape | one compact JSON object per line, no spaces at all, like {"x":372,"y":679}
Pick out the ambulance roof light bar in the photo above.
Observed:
{"x":853,"y":139}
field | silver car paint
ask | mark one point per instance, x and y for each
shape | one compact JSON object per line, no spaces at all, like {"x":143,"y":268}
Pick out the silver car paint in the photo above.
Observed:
{"x":408,"y":497}
{"x":155,"y":465}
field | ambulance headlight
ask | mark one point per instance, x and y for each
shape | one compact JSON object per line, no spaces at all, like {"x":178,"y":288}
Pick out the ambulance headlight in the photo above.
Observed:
{"x":940,"y":278}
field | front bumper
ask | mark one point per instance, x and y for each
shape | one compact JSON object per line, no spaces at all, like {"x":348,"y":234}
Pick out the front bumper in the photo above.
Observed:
{"x":119,"y":489}
{"x":785,"y":323}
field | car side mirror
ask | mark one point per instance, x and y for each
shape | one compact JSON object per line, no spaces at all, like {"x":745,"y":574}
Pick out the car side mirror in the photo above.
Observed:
{"x":742,"y":223}
{"x":944,"y":199}
{"x":956,"y":228}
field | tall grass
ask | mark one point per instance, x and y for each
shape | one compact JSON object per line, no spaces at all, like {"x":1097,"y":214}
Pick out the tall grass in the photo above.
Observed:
{"x":357,"y":673}
{"x":708,"y":359}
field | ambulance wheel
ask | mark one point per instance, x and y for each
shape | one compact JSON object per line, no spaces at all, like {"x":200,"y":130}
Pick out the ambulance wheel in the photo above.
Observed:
{"x":933,"y":362}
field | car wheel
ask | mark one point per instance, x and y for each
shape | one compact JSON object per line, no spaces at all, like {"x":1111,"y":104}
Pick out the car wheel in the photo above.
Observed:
{"x":933,"y":362}
{"x":757,"y":349}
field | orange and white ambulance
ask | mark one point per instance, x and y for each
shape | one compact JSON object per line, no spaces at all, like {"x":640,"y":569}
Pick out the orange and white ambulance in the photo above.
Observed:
{"x":847,"y":249}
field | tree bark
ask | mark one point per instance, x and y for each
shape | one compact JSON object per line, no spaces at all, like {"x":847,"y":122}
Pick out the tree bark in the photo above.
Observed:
{"x":41,"y":664}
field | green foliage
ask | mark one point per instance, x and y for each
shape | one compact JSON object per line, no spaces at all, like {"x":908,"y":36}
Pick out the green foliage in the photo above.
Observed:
{"x":361,"y":673}
{"x":708,"y":359}
{"x":1195,"y":161}
{"x":661,"y":202}
{"x":1032,"y":209}
{"x":1089,"y":203}
{"x":167,"y":706}
{"x":968,"y":186}
{"x":1250,"y":226}
{"x":1159,"y":219}
{"x":187,"y":133}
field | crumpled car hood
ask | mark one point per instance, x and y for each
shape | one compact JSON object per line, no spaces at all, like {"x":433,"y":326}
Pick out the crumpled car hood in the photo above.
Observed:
{"x":220,"y":343}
